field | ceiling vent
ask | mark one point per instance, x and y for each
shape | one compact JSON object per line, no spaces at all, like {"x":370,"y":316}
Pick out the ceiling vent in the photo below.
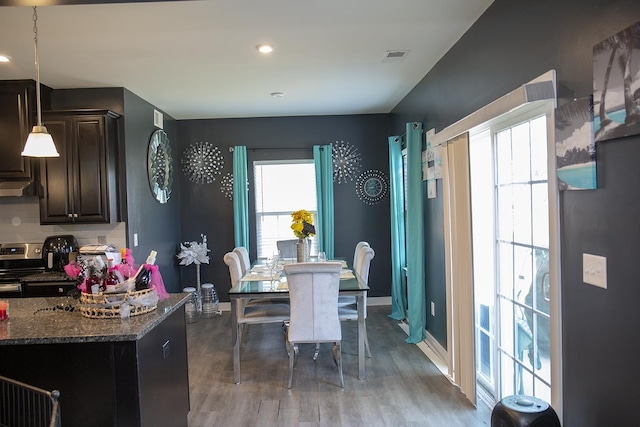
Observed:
{"x":395,"y":55}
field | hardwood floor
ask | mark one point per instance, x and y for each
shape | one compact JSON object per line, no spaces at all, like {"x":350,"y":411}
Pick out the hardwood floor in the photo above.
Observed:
{"x":402,"y":388}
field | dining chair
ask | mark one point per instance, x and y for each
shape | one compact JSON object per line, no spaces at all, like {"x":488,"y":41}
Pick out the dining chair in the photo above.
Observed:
{"x":243,"y":255}
{"x":356,"y":253}
{"x":347,"y":299}
{"x":350,"y":311}
{"x":254,"y":310}
{"x":313,"y":290}
{"x":287,"y":248}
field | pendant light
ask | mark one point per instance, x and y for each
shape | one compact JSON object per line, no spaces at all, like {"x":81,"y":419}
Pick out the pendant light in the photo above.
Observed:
{"x":39,"y":142}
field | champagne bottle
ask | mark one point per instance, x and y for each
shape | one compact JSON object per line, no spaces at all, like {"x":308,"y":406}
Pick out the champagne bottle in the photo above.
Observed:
{"x":143,"y":277}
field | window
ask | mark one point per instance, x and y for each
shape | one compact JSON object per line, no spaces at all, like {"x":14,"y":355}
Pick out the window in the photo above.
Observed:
{"x":282,"y":187}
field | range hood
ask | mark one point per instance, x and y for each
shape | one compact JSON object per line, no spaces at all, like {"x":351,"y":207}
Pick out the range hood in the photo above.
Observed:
{"x":20,"y":188}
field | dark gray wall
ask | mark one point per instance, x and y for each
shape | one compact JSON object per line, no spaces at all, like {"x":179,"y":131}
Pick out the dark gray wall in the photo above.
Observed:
{"x":157,"y":225}
{"x":512,"y":43}
{"x":205,"y":209}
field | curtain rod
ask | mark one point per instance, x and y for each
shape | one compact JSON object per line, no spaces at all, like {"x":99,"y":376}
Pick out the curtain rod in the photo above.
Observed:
{"x":273,"y":148}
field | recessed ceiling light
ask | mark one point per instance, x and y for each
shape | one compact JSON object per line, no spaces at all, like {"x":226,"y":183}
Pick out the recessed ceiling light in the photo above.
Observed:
{"x":4,"y":58}
{"x":277,"y":94}
{"x":264,"y":48}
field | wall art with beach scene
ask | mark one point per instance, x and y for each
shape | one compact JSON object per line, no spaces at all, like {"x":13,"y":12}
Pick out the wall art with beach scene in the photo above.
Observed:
{"x":616,"y":85}
{"x":575,"y":145}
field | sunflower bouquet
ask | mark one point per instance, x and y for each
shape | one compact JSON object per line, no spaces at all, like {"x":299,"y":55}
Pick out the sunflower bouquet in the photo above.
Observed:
{"x":302,"y":224}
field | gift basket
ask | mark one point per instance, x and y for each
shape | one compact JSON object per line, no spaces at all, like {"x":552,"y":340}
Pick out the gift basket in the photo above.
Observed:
{"x":117,"y":291}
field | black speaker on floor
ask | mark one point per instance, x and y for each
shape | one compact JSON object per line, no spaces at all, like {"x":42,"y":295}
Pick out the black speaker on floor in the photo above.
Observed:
{"x":523,"y":411}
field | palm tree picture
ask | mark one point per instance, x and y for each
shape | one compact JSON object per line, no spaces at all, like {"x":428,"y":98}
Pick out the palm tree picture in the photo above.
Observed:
{"x":575,"y":147}
{"x":616,"y":85}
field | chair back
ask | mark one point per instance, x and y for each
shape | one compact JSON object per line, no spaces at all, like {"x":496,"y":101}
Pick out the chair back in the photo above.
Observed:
{"x":364,"y":261}
{"x":287,"y":248}
{"x":356,"y":254}
{"x":235,"y":269}
{"x":243,"y":255}
{"x":313,"y":294}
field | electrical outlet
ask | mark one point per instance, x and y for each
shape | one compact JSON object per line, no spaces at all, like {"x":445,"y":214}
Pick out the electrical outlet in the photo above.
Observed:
{"x":594,"y":270}
{"x":433,"y":308}
{"x":135,"y":239}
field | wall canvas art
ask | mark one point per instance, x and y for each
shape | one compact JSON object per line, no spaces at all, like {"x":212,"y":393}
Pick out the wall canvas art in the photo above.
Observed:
{"x":616,"y":85}
{"x":575,"y":145}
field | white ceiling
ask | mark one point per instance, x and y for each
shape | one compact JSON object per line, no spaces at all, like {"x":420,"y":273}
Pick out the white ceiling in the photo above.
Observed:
{"x":198,"y":59}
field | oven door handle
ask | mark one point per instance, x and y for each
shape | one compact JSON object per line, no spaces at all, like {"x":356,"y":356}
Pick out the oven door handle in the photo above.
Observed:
{"x":10,"y":287}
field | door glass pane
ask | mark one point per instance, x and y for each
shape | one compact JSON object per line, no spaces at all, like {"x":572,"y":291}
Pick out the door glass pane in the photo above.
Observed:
{"x":505,"y":286}
{"x":507,"y":343}
{"x":539,"y":150}
{"x":540,"y":210}
{"x":503,"y":156}
{"x":522,"y":213}
{"x":505,"y":212}
{"x":521,"y":153}
{"x":523,"y":270}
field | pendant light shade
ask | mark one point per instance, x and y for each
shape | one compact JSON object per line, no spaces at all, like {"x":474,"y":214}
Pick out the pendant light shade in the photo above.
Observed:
{"x":39,"y":142}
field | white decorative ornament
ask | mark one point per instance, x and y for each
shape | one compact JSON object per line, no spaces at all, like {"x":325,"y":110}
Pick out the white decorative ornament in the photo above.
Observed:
{"x":346,"y":161}
{"x":372,"y":186}
{"x":201,"y":162}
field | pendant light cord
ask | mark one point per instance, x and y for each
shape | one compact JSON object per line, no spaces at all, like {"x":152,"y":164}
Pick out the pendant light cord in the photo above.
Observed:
{"x":35,"y":32}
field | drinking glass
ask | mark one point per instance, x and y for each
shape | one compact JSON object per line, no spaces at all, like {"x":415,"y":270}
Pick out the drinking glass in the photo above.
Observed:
{"x":322,"y":257}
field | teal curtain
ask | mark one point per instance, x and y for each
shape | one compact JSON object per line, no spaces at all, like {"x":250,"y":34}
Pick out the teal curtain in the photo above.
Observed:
{"x":416,"y":302}
{"x":240,"y":197}
{"x":324,"y":187}
{"x":398,"y":254}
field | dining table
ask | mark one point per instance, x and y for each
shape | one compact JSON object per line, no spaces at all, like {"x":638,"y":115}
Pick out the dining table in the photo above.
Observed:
{"x":262,"y":282}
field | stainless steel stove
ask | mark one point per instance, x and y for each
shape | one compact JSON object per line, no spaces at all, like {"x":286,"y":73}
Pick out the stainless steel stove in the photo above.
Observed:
{"x":22,"y":273}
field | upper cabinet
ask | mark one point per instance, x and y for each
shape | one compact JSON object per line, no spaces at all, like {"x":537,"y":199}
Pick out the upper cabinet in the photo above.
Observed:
{"x":17,"y":117}
{"x":80,"y":186}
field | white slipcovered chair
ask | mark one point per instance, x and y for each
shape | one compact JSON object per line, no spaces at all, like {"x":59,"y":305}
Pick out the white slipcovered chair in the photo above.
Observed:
{"x":287,"y":248}
{"x":348,"y":300}
{"x":349,"y":311}
{"x":255,"y":311}
{"x":243,"y":255}
{"x":313,"y":293}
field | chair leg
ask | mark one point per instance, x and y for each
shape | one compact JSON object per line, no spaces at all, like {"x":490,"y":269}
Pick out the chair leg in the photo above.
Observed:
{"x":315,"y":354}
{"x":337,"y":359}
{"x":292,"y":355}
{"x":366,"y":341}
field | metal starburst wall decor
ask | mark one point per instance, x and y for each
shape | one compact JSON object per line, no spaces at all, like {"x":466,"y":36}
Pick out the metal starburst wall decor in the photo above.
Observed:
{"x":201,"y":162}
{"x":226,"y":185}
{"x":346,"y":161}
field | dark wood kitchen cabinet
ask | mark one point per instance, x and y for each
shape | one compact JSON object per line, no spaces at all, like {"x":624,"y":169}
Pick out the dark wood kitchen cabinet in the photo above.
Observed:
{"x":17,"y":117}
{"x":80,"y":186}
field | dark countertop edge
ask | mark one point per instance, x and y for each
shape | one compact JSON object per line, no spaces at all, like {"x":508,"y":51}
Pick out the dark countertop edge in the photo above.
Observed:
{"x":106,"y":338}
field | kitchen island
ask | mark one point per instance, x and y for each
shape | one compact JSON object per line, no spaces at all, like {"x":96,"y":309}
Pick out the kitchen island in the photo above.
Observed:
{"x":110,"y":372}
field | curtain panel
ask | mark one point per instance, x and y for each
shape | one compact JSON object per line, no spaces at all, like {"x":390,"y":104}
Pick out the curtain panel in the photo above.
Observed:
{"x":398,"y":254}
{"x":325,"y":227}
{"x":416,"y":303}
{"x":240,"y":197}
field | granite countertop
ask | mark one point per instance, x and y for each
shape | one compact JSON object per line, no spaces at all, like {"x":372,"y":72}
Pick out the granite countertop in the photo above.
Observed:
{"x":31,"y":323}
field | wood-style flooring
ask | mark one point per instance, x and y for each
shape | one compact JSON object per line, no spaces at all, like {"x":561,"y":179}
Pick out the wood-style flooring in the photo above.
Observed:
{"x":402,"y":386}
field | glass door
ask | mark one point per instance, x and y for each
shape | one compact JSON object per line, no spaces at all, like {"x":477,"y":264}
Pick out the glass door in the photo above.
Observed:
{"x":510,"y":214}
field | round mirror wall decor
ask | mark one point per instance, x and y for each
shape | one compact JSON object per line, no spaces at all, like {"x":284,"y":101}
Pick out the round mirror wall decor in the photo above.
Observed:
{"x":160,"y":166}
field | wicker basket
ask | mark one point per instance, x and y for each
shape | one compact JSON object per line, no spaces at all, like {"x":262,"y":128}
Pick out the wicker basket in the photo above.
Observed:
{"x":108,"y":306}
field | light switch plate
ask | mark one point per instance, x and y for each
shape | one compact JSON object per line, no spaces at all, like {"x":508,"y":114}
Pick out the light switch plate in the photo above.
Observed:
{"x":594,"y":270}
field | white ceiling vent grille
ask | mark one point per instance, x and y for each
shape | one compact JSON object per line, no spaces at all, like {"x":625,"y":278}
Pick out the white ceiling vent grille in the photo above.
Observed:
{"x":158,"y":119}
{"x":395,"y":55}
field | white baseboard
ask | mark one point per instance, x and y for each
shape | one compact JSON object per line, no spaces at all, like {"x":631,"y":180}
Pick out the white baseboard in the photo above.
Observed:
{"x":432,"y":349}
